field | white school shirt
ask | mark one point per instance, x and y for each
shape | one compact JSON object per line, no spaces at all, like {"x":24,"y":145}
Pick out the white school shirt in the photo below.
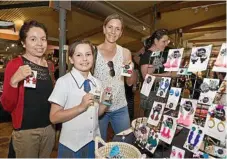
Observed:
{"x":82,"y":129}
{"x":117,"y":82}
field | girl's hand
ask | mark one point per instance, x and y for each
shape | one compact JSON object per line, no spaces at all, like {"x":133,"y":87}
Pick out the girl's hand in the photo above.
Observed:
{"x":87,"y":100}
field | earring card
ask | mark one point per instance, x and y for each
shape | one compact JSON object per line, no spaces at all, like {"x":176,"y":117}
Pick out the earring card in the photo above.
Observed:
{"x":163,"y":87}
{"x":152,"y":142}
{"x":30,"y":81}
{"x":168,"y":128}
{"x":156,"y":113}
{"x":220,"y":64}
{"x":208,"y":88}
{"x":194,"y":139}
{"x":174,"y":59}
{"x":186,"y":112}
{"x":174,"y":96}
{"x":147,"y":85}
{"x":177,"y":153}
{"x":199,"y":58}
{"x":215,"y":125}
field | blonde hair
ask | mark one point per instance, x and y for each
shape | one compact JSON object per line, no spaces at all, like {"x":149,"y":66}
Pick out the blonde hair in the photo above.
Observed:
{"x":114,"y":16}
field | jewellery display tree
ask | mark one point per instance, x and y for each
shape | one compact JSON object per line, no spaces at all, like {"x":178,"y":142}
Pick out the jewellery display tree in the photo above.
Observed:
{"x":200,"y":99}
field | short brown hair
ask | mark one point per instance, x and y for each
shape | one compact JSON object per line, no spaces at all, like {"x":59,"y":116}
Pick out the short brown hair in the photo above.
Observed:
{"x":27,"y":26}
{"x":73,"y":46}
{"x":114,"y":16}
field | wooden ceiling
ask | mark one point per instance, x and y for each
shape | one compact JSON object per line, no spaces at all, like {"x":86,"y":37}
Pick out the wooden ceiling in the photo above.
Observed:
{"x":201,"y":22}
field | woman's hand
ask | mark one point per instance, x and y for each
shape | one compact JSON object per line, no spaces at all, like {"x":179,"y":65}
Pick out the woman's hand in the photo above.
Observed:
{"x":22,"y":72}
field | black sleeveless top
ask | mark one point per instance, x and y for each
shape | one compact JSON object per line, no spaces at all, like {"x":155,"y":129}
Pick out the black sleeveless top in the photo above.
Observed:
{"x":36,"y":105}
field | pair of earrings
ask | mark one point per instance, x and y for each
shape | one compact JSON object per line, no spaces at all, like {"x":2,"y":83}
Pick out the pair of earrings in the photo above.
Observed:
{"x":205,"y":87}
{"x":191,"y":145}
{"x":176,"y":92}
{"x":178,"y":155}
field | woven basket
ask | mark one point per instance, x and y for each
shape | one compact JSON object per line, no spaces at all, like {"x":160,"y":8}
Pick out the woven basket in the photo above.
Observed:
{"x":127,"y":150}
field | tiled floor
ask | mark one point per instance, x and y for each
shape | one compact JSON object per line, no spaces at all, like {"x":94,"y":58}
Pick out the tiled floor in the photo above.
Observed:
{"x":6,"y":130}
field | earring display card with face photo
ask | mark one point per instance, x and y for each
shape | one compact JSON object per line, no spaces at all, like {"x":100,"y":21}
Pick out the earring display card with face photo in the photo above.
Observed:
{"x":163,"y":87}
{"x":215,"y":125}
{"x":220,"y":64}
{"x":174,"y":96}
{"x":126,"y":70}
{"x":147,"y":85}
{"x":31,"y":80}
{"x":174,"y":59}
{"x":177,"y":153}
{"x":97,"y":94}
{"x":199,"y":58}
{"x":168,"y":128}
{"x":187,"y":112}
{"x":153,"y":140}
{"x":194,"y":139}
{"x":156,"y":113}
{"x":209,"y":88}
{"x":141,"y":135}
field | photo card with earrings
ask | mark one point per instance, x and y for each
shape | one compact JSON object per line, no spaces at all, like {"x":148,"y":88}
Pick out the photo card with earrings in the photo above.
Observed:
{"x":215,"y":125}
{"x":141,"y":134}
{"x":208,"y":88}
{"x":174,"y":96}
{"x":186,"y":112}
{"x":174,"y":59}
{"x":126,"y":70}
{"x":156,"y":113}
{"x":199,"y":58}
{"x":147,"y":84}
{"x":168,"y":128}
{"x":220,"y":64}
{"x":163,"y":87}
{"x":177,"y":153}
{"x":194,"y":139}
{"x":30,"y":81}
{"x":152,"y":141}
{"x":97,"y":94}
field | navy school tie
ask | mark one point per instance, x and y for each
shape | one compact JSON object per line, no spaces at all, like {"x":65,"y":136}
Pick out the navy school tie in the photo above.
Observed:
{"x":87,"y":86}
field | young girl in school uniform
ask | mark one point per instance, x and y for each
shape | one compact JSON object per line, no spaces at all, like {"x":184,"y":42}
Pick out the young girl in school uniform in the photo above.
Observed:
{"x":73,"y":104}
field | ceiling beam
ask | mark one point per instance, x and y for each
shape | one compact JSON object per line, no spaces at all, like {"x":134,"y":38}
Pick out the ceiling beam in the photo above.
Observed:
{"x":133,"y":33}
{"x":87,"y":34}
{"x":205,"y":29}
{"x":148,"y":10}
{"x":185,"y":5}
{"x":24,"y":5}
{"x":206,"y":40}
{"x":198,"y":24}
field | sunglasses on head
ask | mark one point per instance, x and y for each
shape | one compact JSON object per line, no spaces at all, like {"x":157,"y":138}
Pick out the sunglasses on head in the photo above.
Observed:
{"x":111,"y":66}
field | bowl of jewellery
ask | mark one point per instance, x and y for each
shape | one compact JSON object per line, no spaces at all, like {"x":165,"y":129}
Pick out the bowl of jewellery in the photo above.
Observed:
{"x":137,"y":122}
{"x":115,"y":150}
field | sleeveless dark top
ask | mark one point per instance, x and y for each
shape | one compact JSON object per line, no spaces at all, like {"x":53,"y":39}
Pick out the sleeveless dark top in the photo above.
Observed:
{"x":36,"y":105}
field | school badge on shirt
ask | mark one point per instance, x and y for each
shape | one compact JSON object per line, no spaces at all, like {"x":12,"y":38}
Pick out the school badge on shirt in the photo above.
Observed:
{"x":31,"y":80}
